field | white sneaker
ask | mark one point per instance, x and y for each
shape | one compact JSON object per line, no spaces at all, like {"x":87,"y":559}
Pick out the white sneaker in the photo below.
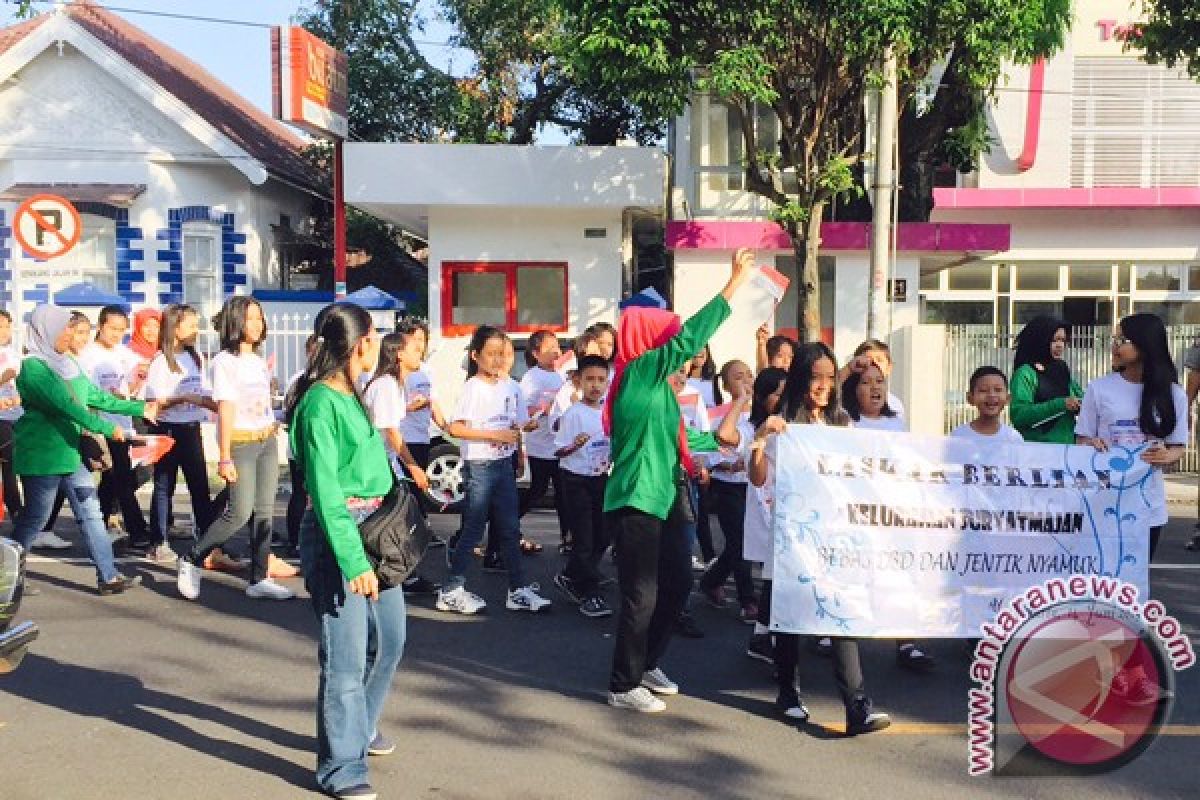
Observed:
{"x":161,"y":554}
{"x":526,"y":599}
{"x":459,"y":601}
{"x":267,"y":589}
{"x":188,"y":579}
{"x":47,"y":540}
{"x":657,"y":681}
{"x":636,"y":699}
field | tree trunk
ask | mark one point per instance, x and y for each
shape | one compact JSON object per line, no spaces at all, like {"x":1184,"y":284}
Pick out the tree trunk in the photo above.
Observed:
{"x":807,"y":247}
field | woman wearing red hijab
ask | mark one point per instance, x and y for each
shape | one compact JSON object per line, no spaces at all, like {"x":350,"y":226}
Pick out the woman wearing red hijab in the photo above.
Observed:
{"x":650,"y":458}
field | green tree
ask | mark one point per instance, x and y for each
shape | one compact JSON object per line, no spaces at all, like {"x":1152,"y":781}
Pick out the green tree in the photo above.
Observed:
{"x":812,"y":62}
{"x":1170,"y":34}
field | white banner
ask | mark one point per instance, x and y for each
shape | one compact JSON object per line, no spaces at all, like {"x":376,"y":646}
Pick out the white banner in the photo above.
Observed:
{"x":896,"y":535}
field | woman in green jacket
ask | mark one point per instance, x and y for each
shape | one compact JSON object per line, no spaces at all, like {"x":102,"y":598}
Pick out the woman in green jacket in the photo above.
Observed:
{"x":650,"y":453}
{"x":1045,"y":400}
{"x":56,"y":396}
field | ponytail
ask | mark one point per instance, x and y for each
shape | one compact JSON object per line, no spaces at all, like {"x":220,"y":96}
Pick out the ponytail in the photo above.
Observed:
{"x":338,"y":329}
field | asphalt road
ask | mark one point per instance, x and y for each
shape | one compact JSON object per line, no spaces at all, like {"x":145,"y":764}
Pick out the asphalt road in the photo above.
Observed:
{"x":147,"y":696}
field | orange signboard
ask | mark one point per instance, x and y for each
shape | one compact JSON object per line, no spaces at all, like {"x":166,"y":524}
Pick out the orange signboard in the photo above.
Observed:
{"x":47,"y":226}
{"x":309,"y":82}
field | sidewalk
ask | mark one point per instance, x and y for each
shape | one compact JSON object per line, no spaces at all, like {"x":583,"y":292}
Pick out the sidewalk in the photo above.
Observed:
{"x":1181,"y":490}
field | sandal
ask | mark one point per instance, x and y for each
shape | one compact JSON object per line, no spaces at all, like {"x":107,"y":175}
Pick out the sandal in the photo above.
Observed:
{"x":530,"y":547}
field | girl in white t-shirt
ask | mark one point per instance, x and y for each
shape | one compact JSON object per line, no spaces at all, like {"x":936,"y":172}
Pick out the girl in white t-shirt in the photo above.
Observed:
{"x":728,"y":491}
{"x":702,"y":376}
{"x":540,"y":386}
{"x":249,"y":451}
{"x":1139,"y":407}
{"x":488,"y":425}
{"x":176,"y":380}
{"x":865,"y":397}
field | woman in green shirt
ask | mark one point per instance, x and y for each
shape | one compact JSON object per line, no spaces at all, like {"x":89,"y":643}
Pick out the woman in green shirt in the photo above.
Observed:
{"x":346,"y":472}
{"x":56,"y":396}
{"x":1045,"y":400}
{"x":650,"y":452}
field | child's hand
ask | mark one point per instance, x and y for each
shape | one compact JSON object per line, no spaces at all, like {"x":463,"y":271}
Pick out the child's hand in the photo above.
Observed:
{"x":581,"y":440}
{"x":506,"y":436}
{"x":861,"y":363}
{"x":762,"y":334}
{"x":532,"y":425}
{"x":1073,"y":405}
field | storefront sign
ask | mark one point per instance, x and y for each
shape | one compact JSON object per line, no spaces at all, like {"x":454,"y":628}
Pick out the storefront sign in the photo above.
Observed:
{"x":309,"y":82}
{"x":897,"y":535}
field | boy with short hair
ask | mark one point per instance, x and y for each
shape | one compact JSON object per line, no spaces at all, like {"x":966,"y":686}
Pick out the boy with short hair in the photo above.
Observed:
{"x":988,"y":393}
{"x":583,"y":452}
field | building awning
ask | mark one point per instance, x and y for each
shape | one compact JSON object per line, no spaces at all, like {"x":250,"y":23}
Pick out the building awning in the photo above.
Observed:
{"x":113,"y":194}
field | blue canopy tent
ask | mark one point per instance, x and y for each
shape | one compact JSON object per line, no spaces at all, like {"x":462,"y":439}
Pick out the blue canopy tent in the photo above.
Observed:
{"x":374,"y":299}
{"x":87,"y":295}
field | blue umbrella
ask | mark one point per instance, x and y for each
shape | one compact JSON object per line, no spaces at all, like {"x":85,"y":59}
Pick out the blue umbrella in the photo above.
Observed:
{"x":87,"y":294}
{"x":374,"y":299}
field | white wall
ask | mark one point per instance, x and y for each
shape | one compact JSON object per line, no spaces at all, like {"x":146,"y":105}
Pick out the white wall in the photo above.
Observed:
{"x":475,"y":234}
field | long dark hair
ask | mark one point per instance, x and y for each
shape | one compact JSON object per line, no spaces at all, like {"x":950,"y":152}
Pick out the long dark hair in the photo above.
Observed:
{"x":172,"y":316}
{"x":800,"y":378}
{"x":231,"y":323}
{"x":483,"y":334}
{"x":765,"y":385}
{"x":1147,"y":333}
{"x":1033,"y":348}
{"x":389,"y":350}
{"x":850,"y":396}
{"x":708,"y":371}
{"x":338,"y":328}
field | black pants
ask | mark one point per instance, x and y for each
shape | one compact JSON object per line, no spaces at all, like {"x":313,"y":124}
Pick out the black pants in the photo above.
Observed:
{"x":704,"y":537}
{"x":729,"y":499}
{"x":544,"y":473}
{"x":12,"y":487}
{"x":186,"y":454}
{"x":420,"y":453}
{"x":296,"y":504}
{"x":584,"y":496}
{"x":655,"y":574}
{"x":847,"y":669}
{"x":1155,"y":535}
{"x":117,"y":487}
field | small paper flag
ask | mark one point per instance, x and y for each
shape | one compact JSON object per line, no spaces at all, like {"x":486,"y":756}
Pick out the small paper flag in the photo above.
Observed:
{"x":152,"y":448}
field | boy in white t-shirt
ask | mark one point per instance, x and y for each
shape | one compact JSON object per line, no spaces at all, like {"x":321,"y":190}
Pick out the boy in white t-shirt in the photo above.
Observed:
{"x":988,"y":393}
{"x":584,"y":452}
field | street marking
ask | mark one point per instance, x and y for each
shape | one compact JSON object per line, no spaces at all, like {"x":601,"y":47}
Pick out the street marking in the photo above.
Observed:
{"x":1175,"y":566}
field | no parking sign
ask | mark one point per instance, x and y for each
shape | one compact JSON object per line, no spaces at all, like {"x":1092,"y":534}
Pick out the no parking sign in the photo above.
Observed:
{"x":47,"y":226}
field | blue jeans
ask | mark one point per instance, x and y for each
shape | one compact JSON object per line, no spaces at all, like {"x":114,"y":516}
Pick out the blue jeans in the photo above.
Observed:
{"x":491,"y":494}
{"x":359,"y":647}
{"x":80,"y":490}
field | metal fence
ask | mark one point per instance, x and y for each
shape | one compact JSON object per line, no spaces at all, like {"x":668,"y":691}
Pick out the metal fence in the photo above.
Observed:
{"x":1088,"y":352}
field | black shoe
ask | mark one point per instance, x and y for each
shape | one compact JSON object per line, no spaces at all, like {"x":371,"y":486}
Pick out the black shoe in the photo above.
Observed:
{"x":860,"y":718}
{"x":595,"y":608}
{"x":789,"y":706}
{"x":567,"y":586}
{"x":492,"y":562}
{"x":565,"y":549}
{"x":686,"y":626}
{"x":1194,"y":544}
{"x":119,"y":584}
{"x":419,"y":584}
{"x":761,"y":648}
{"x":436,"y":541}
{"x":910,"y":657}
{"x":821,"y":646}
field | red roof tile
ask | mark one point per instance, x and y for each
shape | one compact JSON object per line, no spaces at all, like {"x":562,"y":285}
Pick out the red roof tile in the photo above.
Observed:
{"x":266,"y":139}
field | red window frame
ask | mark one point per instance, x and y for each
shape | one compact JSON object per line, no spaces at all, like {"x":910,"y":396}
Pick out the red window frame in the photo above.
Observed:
{"x":509,"y":269}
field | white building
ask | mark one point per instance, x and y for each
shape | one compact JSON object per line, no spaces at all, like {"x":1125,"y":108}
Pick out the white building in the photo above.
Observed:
{"x":524,"y":238}
{"x":181,"y":183}
{"x":1086,"y":208}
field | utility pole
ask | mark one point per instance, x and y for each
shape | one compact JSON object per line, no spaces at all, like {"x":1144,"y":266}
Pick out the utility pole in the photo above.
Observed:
{"x":882,"y":189}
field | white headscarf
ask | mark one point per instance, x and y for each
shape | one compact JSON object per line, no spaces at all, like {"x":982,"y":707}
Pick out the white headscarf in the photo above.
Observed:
{"x":46,"y":324}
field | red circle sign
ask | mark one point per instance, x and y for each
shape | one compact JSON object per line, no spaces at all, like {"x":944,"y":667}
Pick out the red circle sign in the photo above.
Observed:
{"x":47,"y":226}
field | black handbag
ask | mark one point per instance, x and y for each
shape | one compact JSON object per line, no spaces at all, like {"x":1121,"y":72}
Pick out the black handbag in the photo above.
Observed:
{"x":395,"y":537}
{"x":93,"y":448}
{"x":685,"y":506}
